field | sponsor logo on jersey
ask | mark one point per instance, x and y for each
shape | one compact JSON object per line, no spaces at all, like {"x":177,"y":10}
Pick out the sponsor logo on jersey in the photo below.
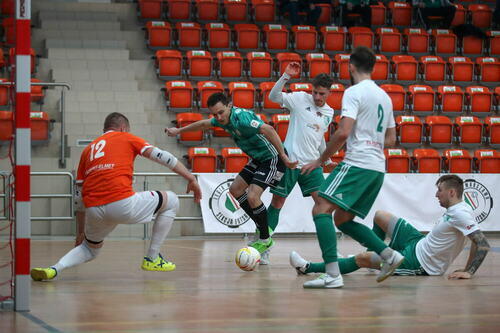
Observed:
{"x":225,"y":207}
{"x":254,"y":123}
{"x":478,"y":197}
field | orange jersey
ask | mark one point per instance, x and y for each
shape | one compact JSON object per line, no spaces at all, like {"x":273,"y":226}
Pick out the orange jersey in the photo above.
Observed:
{"x":106,"y":167}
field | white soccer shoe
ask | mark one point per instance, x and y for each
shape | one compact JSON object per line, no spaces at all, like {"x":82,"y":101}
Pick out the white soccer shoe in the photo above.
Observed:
{"x":325,"y":281}
{"x":264,"y":258}
{"x":299,"y":263}
{"x":389,"y":266}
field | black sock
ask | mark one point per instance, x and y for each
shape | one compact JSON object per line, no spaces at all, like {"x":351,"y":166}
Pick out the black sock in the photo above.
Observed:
{"x":243,"y":201}
{"x":260,"y":214}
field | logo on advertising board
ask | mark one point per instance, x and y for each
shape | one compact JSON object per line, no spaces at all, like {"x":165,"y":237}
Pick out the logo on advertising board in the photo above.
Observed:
{"x":477,"y":196}
{"x":225,"y":207}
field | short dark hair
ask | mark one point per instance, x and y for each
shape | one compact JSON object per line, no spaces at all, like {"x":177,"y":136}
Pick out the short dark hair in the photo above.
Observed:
{"x":115,"y":120}
{"x":452,"y":181}
{"x":363,"y":59}
{"x":322,"y":80}
{"x":216,"y":98}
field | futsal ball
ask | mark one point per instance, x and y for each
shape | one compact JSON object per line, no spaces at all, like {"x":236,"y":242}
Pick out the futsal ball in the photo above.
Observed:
{"x":247,"y":258}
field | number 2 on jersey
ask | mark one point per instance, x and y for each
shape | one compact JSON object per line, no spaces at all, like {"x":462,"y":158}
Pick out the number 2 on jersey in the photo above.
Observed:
{"x":380,"y":113}
{"x":96,"y":150}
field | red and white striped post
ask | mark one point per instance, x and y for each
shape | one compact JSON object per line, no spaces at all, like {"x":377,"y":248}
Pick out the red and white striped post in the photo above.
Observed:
{"x":23,"y":156}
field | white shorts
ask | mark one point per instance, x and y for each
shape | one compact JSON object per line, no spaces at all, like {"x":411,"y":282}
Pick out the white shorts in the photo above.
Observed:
{"x":101,"y":220}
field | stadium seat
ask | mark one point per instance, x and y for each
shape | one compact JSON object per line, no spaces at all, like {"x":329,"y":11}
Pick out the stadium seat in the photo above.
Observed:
{"x":202,"y":159}
{"x":158,"y":34}
{"x":37,"y":92}
{"x":409,"y":131}
{"x":262,"y":117}
{"x":426,"y":160}
{"x":266,"y":104}
{"x":192,"y":137}
{"x":168,"y":64}
{"x":283,"y":59}
{"x":307,"y":87}
{"x":242,"y":94}
{"x":492,"y":131}
{"x":472,"y":46}
{"x":487,"y":161}
{"x":361,"y":36}
{"x":318,"y":63}
{"x":397,"y":160}
{"x":445,"y":42}
{"x":247,"y":37}
{"x":207,"y":10}
{"x":263,"y":11}
{"x":334,"y":39}
{"x":488,"y":70}
{"x":342,"y":67}
{"x":233,"y":159}
{"x":400,"y":13}
{"x":218,"y":36}
{"x":337,"y":157}
{"x":479,"y":100}
{"x":280,"y":124}
{"x":236,"y":10}
{"x":326,"y":13}
{"x":335,"y":98}
{"x":398,"y":97}
{"x":451,"y":99}
{"x":433,"y":69}
{"x":457,"y":161}
{"x":461,"y":70}
{"x":230,"y":65}
{"x":421,"y":99}
{"x":497,"y":97}
{"x":275,"y":38}
{"x":469,"y":131}
{"x":179,"y":95}
{"x":205,"y":89}
{"x":460,"y":15}
{"x":481,"y":15}
{"x":6,"y":125}
{"x":189,"y":35}
{"x":4,"y":95}
{"x":179,"y":10}
{"x":405,"y":68}
{"x":40,"y":123}
{"x":260,"y":66}
{"x":151,"y":9}
{"x":199,"y":65}
{"x":494,"y":49}
{"x":417,"y":41}
{"x":305,"y":38}
{"x":2,"y":60}
{"x":378,"y":13}
{"x":439,"y":131}
{"x":389,"y":40}
{"x":382,"y":69}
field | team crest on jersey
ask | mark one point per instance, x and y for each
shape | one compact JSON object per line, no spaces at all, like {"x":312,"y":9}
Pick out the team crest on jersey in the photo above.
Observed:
{"x":225,"y":207}
{"x":477,"y":196}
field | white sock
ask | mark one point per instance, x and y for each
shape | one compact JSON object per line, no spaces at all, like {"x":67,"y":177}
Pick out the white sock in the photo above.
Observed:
{"x":161,"y":227}
{"x":78,"y":255}
{"x":332,"y":268}
{"x":386,"y":254}
{"x":375,"y":259}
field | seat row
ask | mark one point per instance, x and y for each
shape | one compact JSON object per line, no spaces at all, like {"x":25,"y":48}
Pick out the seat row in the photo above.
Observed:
{"x":40,"y":127}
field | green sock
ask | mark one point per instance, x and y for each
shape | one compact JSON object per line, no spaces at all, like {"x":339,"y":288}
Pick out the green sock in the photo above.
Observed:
{"x":346,"y":266}
{"x":327,"y":237}
{"x":363,"y":235}
{"x":378,"y":232}
{"x":273,"y":216}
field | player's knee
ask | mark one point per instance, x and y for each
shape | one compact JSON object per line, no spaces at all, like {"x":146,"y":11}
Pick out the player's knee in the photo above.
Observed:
{"x":172,"y":206}
{"x":277,"y":201}
{"x":93,"y":249}
{"x":381,"y":217}
{"x":254,"y":199}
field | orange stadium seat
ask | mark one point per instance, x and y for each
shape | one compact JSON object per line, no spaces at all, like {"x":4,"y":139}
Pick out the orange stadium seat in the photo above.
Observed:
{"x":433,"y":69}
{"x":457,"y":161}
{"x":334,"y":39}
{"x":4,"y":94}
{"x":247,"y":36}
{"x":460,"y":15}
{"x":338,"y":157}
{"x":158,"y":34}
{"x":480,"y":100}
{"x":397,"y":160}
{"x":469,"y":131}
{"x":342,"y":67}
{"x":276,"y":37}
{"x":426,"y":160}
{"x":262,"y":117}
{"x":488,"y":69}
{"x":179,"y":95}
{"x":382,"y":68}
{"x":263,"y":11}
{"x":397,"y":95}
{"x":218,"y":131}
{"x":305,"y":38}
{"x":202,"y":159}
{"x":481,"y":15}
{"x":233,"y":159}
{"x":189,"y":35}
{"x":230,"y":65}
{"x":451,"y":99}
{"x":497,"y":97}
{"x":280,"y":124}
{"x":361,"y":36}
{"x":2,"y":60}
{"x":417,"y":41}
{"x":260,"y":66}
{"x":487,"y":161}
{"x":199,"y":65}
{"x":6,"y":125}
{"x":266,"y":104}
{"x":37,"y":92}
{"x":283,"y":59}
{"x":335,"y":98}
{"x":494,"y":43}
{"x":445,"y":42}
{"x":39,"y":127}
{"x":207,"y":10}
{"x":318,"y":63}
{"x":492,"y":131}
{"x":461,"y":70}
{"x":389,"y":40}
{"x":405,"y":68}
{"x":400,"y":12}
{"x":326,"y":13}
{"x":168,"y":64}
{"x":409,"y":129}
{"x":378,"y":13}
{"x":192,"y":137}
{"x":439,"y":131}
{"x":218,"y":36}
{"x":151,"y":9}
{"x":472,"y":46}
{"x":236,"y":10}
{"x":421,"y":99}
{"x":243,"y":94}
{"x":179,"y":10}
{"x":307,"y":87}
{"x":205,"y":89}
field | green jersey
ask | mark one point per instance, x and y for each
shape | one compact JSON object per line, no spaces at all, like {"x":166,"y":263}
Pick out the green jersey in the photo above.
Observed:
{"x":244,"y":128}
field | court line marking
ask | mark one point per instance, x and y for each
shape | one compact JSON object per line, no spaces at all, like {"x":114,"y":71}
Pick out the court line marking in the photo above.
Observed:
{"x":39,"y":322}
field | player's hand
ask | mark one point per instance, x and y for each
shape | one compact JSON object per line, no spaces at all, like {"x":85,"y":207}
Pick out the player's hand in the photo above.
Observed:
{"x":293,"y":69}
{"x":308,"y":168}
{"x":459,"y":275}
{"x":194,"y":187}
{"x":172,"y":131}
{"x":79,"y":239}
{"x":289,"y":164}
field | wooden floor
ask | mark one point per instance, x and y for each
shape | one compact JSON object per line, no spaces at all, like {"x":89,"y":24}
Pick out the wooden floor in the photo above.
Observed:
{"x":208,"y":293}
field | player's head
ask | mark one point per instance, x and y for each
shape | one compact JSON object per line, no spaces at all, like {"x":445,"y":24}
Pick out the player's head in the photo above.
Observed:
{"x":321,"y":88}
{"x":449,"y":190}
{"x":220,"y":107}
{"x":361,"y":62}
{"x":116,"y":122}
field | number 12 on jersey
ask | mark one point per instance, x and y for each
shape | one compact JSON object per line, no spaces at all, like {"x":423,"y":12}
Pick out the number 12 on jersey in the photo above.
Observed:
{"x":380,"y":113}
{"x":96,"y":150}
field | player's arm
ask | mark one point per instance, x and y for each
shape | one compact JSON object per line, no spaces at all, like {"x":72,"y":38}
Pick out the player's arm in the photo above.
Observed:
{"x":276,"y":94}
{"x":273,"y":137}
{"x":196,"y":126}
{"x":390,"y":137}
{"x":478,"y":251}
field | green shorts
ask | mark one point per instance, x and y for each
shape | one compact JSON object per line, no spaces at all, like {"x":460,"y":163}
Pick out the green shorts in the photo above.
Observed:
{"x":404,"y":239}
{"x":353,"y":189}
{"x":308,"y":183}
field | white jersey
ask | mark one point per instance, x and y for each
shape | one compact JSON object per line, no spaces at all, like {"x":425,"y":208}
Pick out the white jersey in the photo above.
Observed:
{"x":307,"y":127}
{"x":437,"y":250}
{"x":371,"y":107}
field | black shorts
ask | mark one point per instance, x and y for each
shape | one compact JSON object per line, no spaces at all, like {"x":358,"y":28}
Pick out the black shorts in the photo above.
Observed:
{"x":265,"y":173}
